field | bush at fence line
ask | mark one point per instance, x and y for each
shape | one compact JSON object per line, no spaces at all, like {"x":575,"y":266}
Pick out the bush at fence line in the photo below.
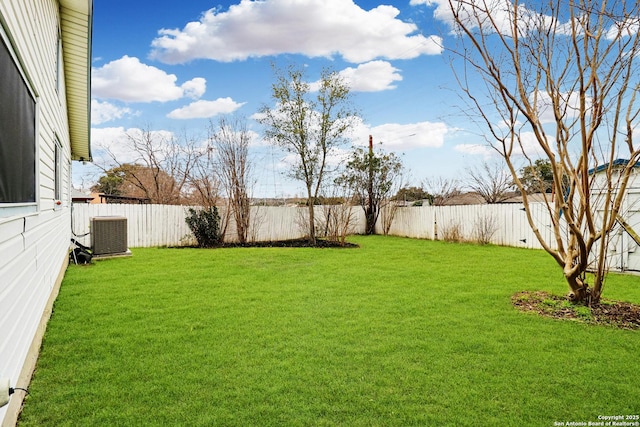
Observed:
{"x":205,"y":226}
{"x":453,"y":233}
{"x":484,"y":228}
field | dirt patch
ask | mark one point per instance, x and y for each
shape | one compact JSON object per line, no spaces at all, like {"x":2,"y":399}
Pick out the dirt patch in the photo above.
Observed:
{"x":619,"y":314}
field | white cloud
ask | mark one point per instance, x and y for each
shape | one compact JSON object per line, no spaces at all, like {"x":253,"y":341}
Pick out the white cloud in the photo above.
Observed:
{"x":115,"y":141}
{"x":530,"y":145}
{"x":129,"y":80}
{"x":569,"y":105}
{"x":493,"y":15}
{"x":102,"y":112}
{"x":110,"y":140}
{"x":205,"y":109}
{"x":399,"y":137}
{"x":373,"y":76}
{"x":335,"y":158}
{"x":476,"y":150}
{"x":315,"y":28}
{"x":629,"y":27}
{"x":195,"y":88}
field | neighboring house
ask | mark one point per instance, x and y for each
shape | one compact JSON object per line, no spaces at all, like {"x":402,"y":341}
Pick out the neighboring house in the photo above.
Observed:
{"x":45,"y":52}
{"x":80,"y":197}
{"x":624,"y":245}
{"x":623,"y":253}
{"x":110,"y":198}
{"x":469,"y":198}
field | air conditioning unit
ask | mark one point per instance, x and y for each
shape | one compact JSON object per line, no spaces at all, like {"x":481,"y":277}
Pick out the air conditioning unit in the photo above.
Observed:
{"x":108,"y":235}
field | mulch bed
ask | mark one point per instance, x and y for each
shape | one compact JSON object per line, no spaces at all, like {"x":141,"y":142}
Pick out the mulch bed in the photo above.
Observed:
{"x":295,"y":243}
{"x":619,"y":314}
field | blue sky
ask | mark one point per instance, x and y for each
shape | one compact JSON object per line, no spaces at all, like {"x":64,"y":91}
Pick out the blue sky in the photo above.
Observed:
{"x":175,"y":66}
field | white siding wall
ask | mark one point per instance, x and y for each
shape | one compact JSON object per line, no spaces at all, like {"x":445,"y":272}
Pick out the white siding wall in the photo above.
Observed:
{"x":34,"y":248}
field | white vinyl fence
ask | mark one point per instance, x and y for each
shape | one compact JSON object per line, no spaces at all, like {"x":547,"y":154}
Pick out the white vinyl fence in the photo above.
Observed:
{"x":503,"y":224}
{"x":161,"y":225}
{"x":164,"y":225}
{"x":147,"y":225}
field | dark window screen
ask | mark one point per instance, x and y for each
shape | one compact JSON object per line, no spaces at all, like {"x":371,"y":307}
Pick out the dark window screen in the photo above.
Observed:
{"x":17,"y":134}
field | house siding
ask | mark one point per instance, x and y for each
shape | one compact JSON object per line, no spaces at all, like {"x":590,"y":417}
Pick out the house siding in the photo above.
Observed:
{"x":623,"y":253}
{"x":34,"y":247}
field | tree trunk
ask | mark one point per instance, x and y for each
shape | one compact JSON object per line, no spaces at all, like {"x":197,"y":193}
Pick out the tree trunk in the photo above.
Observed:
{"x":312,"y":218}
{"x":371,"y":223}
{"x":581,"y":292}
{"x":370,"y":211}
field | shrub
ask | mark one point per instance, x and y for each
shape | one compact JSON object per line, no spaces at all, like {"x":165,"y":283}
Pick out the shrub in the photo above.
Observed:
{"x":205,"y":226}
{"x":453,"y":233}
{"x":336,"y":222}
{"x":484,"y":228}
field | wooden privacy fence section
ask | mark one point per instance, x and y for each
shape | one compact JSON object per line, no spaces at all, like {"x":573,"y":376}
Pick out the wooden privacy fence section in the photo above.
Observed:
{"x":162,"y":225}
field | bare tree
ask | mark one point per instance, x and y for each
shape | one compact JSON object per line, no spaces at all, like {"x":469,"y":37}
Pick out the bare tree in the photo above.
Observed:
{"x":258,"y":217}
{"x":388,"y":214}
{"x":204,"y":187}
{"x":559,"y":82}
{"x":491,"y":181}
{"x":309,"y":127}
{"x":484,"y":227}
{"x":441,"y":189}
{"x":230,"y":139}
{"x":156,"y":165}
{"x":338,"y":218}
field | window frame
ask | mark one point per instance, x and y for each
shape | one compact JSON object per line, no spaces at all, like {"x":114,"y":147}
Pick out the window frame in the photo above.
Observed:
{"x":57,"y":172}
{"x":13,"y":209}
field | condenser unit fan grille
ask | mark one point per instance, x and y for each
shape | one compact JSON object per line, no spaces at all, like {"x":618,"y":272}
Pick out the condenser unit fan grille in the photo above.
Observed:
{"x":108,"y":235}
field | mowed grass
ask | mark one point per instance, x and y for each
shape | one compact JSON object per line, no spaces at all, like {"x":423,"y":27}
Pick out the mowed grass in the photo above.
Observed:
{"x":398,"y":332}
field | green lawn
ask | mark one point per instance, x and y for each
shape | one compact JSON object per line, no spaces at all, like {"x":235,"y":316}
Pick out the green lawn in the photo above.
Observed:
{"x":398,"y":332}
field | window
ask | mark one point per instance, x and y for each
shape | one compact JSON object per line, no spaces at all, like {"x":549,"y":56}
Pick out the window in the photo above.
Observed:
{"x":17,"y":135}
{"x":57,"y":172}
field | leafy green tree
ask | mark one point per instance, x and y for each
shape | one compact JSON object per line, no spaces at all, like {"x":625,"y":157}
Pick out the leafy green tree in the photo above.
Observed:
{"x":372,"y":177}
{"x":537,"y":177}
{"x":112,"y":181}
{"x":412,"y":194}
{"x":310,"y":125}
